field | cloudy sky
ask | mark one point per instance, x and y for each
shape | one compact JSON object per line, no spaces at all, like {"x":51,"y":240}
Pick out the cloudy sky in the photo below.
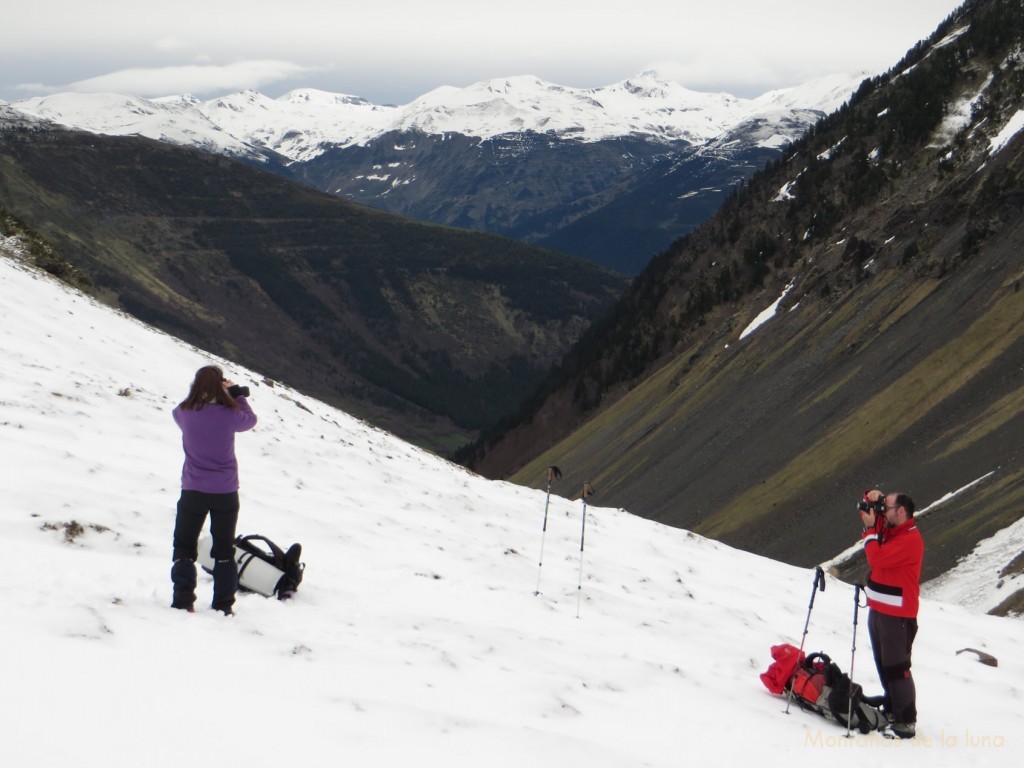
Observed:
{"x":391,"y":51}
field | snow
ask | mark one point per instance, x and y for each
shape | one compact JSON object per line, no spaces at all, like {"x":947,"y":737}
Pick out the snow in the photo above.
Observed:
{"x":959,"y":115}
{"x":829,"y":153}
{"x":766,"y":314}
{"x":785,"y":192}
{"x":416,"y":637}
{"x":969,"y":583}
{"x":827,"y":93}
{"x":177,"y":121}
{"x":775,"y":141}
{"x":952,"y":37}
{"x":302,"y":124}
{"x":1013,"y":126}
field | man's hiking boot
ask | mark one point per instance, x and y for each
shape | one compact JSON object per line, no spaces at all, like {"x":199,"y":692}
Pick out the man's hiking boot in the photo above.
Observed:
{"x":904,"y":730}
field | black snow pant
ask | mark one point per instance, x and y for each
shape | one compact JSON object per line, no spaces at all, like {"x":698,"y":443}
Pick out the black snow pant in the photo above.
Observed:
{"x":892,"y":638}
{"x":193,"y":507}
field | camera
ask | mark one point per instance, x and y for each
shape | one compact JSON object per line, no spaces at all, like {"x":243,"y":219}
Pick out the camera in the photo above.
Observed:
{"x":236,"y":390}
{"x":878,"y":507}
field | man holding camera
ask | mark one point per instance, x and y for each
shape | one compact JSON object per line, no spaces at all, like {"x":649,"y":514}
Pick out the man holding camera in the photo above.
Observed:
{"x":894,"y":550}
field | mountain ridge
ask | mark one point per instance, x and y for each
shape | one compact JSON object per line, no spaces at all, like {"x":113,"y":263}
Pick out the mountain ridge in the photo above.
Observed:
{"x":300,"y":124}
{"x":519,"y":157}
{"x":892,"y":359}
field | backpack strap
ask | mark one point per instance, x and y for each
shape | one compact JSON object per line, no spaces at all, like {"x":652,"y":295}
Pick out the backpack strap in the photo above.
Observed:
{"x":811,"y":658}
{"x":276,"y":556}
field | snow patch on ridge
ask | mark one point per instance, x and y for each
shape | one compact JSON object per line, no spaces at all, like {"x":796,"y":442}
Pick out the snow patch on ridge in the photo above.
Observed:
{"x":766,"y":314}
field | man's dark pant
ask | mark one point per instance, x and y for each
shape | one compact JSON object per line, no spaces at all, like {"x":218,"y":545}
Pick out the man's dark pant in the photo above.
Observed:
{"x":193,"y":506}
{"x":892,"y":638}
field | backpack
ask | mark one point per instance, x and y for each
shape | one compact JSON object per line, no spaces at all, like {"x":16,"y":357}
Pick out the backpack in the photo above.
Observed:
{"x":819,"y":685}
{"x":248,"y":554}
{"x":263,"y":567}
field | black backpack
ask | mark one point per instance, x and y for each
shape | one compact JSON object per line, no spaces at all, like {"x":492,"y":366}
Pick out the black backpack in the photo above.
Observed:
{"x":830,"y":692}
{"x":249,"y":547}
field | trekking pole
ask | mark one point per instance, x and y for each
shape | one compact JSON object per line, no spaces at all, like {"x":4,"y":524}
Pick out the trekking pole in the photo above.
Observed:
{"x":587,"y":490}
{"x":819,"y":585}
{"x":554,"y":473}
{"x":853,"y":651}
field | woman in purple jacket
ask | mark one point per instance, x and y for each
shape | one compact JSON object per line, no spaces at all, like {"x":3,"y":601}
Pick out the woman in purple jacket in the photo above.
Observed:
{"x":209,"y":417}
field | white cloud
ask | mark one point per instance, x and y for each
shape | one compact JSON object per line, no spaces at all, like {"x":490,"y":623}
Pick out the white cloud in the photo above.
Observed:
{"x":171,"y":44}
{"x":193,"y":78}
{"x":397,"y":49}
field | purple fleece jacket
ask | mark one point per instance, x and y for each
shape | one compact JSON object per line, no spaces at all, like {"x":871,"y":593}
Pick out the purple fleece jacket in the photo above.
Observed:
{"x":208,"y":437}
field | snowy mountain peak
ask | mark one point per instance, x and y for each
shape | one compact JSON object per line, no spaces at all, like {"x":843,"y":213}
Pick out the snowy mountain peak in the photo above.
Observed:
{"x":242,"y":101}
{"x":826,"y":94}
{"x":14,"y":119}
{"x":304,"y":122}
{"x":186,"y":99}
{"x":649,"y":84}
{"x":318,"y":97}
{"x":176,"y":119}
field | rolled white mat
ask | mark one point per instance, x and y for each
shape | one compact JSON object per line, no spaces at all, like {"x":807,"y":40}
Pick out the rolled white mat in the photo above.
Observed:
{"x":254,"y":574}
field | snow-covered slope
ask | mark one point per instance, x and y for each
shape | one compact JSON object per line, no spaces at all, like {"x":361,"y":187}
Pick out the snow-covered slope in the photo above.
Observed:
{"x":416,"y":637}
{"x":14,"y":119}
{"x":302,"y":123}
{"x":982,"y":580}
{"x":826,"y":94}
{"x":176,"y":121}
{"x":297,"y":124}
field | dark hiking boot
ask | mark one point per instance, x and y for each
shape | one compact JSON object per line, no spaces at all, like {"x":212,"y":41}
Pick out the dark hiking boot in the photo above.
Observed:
{"x":225,"y":585}
{"x":904,"y":730}
{"x":183,"y":577}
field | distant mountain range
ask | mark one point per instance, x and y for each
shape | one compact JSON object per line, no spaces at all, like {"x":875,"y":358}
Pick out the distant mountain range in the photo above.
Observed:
{"x":852,"y":317}
{"x":566,"y":168}
{"x":305,"y":123}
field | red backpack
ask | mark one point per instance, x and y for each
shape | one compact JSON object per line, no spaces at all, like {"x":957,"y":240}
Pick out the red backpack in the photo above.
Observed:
{"x":821,"y":686}
{"x":810,"y":680}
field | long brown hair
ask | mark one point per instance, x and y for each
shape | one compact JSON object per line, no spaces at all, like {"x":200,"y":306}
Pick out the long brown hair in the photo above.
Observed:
{"x":207,"y":387}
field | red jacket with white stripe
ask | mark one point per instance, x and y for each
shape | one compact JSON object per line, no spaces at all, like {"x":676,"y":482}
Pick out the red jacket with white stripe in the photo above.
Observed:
{"x":895,"y":555}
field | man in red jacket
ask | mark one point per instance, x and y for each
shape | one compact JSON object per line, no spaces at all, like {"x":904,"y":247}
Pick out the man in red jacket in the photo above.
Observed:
{"x":894,"y":550}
